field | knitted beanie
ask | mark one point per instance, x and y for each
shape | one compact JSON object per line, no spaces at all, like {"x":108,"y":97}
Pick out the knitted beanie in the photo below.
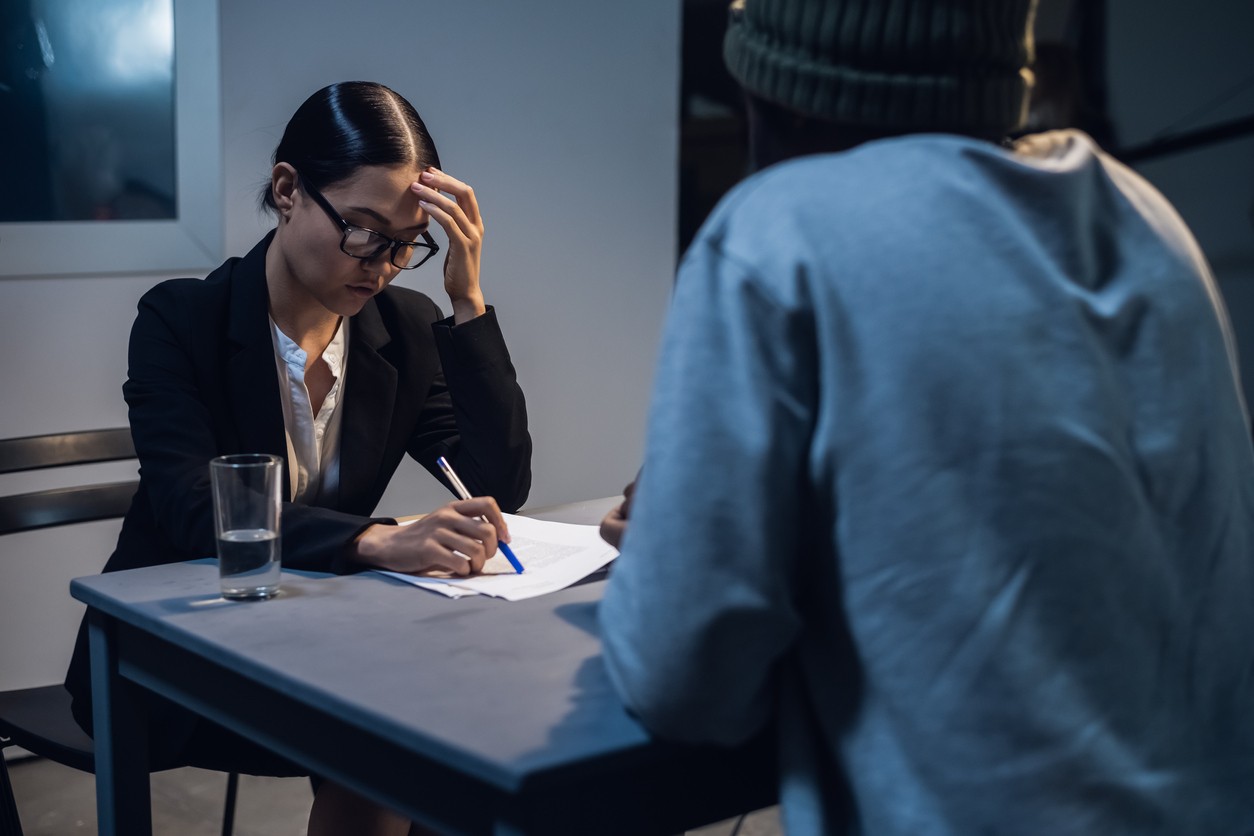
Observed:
{"x":910,"y":65}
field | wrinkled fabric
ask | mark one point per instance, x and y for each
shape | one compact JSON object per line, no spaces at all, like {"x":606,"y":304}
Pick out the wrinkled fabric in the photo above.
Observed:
{"x":948,"y":477}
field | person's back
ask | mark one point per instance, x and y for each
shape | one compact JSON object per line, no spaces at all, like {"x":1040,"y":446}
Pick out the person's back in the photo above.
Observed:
{"x":965,"y":498}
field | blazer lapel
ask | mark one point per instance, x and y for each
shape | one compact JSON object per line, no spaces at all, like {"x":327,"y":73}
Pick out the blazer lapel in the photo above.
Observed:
{"x":256,"y":410}
{"x":370,"y":393}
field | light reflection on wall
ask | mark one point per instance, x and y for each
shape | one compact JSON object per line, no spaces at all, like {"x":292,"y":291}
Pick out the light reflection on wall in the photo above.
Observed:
{"x":136,"y":41}
{"x":93,"y":85}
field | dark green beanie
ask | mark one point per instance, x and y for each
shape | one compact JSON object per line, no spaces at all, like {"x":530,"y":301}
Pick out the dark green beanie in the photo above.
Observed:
{"x":910,"y":65}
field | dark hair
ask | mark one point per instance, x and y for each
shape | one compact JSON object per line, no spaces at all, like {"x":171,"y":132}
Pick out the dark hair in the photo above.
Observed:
{"x":349,"y":125}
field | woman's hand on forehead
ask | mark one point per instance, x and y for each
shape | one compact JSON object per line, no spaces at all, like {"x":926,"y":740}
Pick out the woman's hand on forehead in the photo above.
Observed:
{"x":452,"y":204}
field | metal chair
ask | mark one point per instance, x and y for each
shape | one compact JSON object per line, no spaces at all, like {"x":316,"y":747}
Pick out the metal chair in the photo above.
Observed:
{"x":39,"y":719}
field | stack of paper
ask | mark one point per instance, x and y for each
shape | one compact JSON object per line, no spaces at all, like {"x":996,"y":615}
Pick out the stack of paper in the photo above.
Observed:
{"x":553,"y":555}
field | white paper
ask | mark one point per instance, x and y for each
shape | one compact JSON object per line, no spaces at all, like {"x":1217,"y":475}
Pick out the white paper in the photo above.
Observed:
{"x":553,"y":556}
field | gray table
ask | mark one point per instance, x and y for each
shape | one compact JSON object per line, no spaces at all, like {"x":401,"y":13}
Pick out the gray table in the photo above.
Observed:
{"x":471,"y":715}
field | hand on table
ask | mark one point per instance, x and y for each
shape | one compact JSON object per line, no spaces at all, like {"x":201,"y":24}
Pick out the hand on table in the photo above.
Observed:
{"x":453,"y":205}
{"x":614,"y":526}
{"x":431,"y":542}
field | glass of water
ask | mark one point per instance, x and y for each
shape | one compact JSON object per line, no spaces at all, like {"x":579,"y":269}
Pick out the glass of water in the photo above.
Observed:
{"x":246,"y":502}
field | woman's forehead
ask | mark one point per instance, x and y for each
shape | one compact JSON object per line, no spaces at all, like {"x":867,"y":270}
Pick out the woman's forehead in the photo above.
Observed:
{"x":380,"y":196}
{"x":383,"y":182}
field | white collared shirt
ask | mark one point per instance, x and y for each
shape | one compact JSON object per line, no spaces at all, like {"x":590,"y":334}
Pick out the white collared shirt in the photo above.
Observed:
{"x":313,"y":441}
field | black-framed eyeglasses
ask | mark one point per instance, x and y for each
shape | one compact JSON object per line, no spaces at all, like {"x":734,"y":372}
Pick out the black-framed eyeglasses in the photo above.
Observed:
{"x":367,"y":244}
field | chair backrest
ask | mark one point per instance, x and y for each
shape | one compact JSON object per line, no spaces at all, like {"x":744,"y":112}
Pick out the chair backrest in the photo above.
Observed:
{"x":63,"y":506}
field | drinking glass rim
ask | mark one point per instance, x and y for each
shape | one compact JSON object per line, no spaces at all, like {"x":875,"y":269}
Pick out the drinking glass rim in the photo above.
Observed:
{"x":236,"y":460}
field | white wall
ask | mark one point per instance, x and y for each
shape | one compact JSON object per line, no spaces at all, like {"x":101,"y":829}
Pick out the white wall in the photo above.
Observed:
{"x":563,"y":117}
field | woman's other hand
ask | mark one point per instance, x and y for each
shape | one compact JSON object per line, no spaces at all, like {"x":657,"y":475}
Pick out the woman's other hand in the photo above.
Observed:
{"x":451,"y":539}
{"x":453,"y":205}
{"x":614,"y":526}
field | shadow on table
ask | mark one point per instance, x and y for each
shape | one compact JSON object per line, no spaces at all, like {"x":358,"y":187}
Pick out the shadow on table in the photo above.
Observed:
{"x":683,"y":787}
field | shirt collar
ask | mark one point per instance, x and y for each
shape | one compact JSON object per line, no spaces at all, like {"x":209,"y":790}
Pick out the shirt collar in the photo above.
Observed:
{"x":296,"y":358}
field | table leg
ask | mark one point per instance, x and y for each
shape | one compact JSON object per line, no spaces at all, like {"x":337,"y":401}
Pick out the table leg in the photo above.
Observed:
{"x":123,"y":802}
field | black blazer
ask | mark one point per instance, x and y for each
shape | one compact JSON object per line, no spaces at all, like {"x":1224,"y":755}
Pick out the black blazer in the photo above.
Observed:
{"x":202,"y":382}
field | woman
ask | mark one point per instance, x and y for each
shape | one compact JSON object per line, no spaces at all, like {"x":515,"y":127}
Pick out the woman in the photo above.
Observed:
{"x":301,"y":349}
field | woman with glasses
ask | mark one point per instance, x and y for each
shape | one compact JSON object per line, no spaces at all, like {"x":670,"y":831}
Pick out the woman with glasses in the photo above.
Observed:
{"x":301,"y":348}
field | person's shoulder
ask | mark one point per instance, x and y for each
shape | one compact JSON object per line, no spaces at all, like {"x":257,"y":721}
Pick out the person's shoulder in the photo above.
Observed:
{"x":869,"y":187}
{"x":190,"y":290}
{"x":177,"y":291}
{"x":196,"y":308}
{"x":845,"y":181}
{"x":906,"y":160}
{"x":851,"y":208}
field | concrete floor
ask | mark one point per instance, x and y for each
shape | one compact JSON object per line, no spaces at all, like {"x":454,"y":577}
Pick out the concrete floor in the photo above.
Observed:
{"x":54,"y":800}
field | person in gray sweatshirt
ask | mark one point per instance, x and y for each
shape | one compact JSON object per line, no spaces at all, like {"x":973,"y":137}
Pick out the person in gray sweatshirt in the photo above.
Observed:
{"x":948,"y":479}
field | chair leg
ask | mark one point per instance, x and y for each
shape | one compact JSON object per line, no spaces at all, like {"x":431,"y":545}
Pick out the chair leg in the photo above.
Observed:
{"x":10,"y":824}
{"x":228,"y":813}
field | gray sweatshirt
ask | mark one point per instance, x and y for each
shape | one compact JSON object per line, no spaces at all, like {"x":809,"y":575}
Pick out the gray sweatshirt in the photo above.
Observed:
{"x":948,"y":476}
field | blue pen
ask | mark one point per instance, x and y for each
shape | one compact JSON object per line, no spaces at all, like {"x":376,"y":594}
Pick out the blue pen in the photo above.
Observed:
{"x":460,"y":487}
